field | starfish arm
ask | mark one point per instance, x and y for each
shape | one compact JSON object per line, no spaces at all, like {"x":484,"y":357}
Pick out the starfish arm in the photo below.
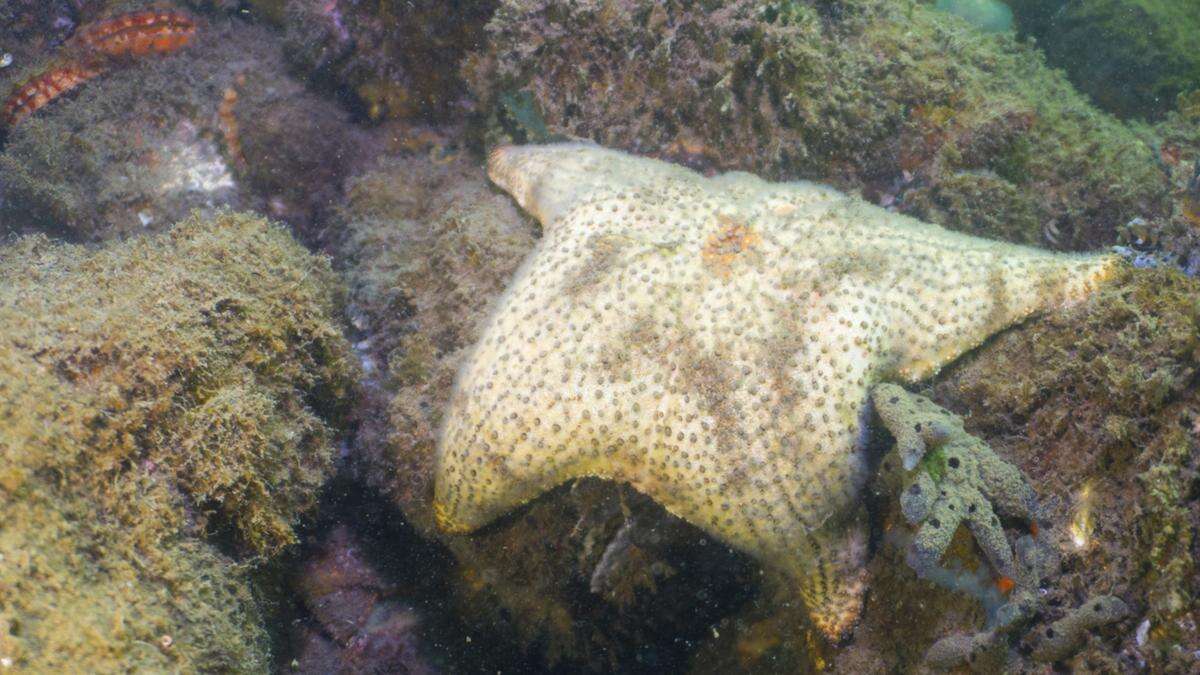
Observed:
{"x":548,"y":181}
{"x":950,"y":292}
{"x":834,"y":578}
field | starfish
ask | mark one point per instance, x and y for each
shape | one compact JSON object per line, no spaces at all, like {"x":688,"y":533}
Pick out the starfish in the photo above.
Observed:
{"x":713,"y":343}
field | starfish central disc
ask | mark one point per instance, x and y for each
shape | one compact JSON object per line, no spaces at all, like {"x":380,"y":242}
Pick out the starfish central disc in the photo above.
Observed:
{"x":712,"y":342}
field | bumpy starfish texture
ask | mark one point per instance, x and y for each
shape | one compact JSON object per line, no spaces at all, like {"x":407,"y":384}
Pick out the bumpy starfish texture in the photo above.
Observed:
{"x":712,"y":342}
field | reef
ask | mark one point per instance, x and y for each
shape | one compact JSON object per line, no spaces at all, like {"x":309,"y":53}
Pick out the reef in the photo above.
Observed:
{"x":95,"y":48}
{"x":273,"y":104}
{"x":218,"y":124}
{"x":168,"y":406}
{"x":392,"y":59}
{"x":913,"y":108}
{"x":1097,"y":407}
{"x":1131,"y":57}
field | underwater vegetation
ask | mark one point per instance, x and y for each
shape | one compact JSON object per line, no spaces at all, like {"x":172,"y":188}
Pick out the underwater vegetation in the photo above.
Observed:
{"x":159,"y":396}
{"x":989,"y":15}
{"x":910,"y":106}
{"x":1132,"y":57}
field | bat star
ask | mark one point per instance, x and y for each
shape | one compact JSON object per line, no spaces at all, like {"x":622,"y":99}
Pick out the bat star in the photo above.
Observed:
{"x":713,"y":343}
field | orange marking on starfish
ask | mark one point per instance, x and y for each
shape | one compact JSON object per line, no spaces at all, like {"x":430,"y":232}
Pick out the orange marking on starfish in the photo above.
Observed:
{"x":723,"y":247}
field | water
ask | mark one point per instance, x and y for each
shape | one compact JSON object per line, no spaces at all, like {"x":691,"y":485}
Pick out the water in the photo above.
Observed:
{"x":306,"y":365}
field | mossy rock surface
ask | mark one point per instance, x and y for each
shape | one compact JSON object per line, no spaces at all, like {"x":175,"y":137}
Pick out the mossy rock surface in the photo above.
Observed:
{"x":912,"y":107}
{"x":1132,"y":57}
{"x":158,"y":396}
{"x":1099,"y":407}
{"x":389,"y":59}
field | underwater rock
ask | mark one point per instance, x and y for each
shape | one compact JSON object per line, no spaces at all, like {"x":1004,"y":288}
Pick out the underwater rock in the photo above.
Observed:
{"x":1173,"y":240}
{"x":398,"y":59}
{"x":1132,"y":57}
{"x":157,"y":396}
{"x":291,"y":151}
{"x":429,"y":248}
{"x":218,"y":123}
{"x":338,"y":587}
{"x":909,"y":106}
{"x":29,"y":31}
{"x":131,"y":151}
{"x":358,"y":629}
{"x":96,"y":47}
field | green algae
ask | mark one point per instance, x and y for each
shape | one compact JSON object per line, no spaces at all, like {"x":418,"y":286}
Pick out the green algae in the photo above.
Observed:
{"x":1132,"y":57}
{"x":992,"y":16}
{"x":157,"y":395}
{"x":892,"y":99}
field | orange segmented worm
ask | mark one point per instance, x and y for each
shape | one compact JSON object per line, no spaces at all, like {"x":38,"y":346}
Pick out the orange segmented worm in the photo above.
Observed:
{"x":136,"y":33}
{"x":94,"y":50}
{"x":36,"y":92}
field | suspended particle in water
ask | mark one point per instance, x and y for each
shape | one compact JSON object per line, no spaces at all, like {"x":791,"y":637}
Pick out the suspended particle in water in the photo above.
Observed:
{"x":1081,"y":516}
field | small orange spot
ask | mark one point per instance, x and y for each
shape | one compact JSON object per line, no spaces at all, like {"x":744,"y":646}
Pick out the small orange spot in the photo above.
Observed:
{"x":1005,"y":584}
{"x":727,"y":244}
{"x":1033,"y":529}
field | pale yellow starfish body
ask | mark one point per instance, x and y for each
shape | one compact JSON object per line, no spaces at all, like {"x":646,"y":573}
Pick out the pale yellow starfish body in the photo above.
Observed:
{"x":712,"y":342}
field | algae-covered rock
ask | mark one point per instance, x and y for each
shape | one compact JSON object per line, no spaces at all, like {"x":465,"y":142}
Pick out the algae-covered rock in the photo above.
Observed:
{"x":218,"y":123}
{"x":1098,"y":408}
{"x":1132,"y":57}
{"x":157,"y":395}
{"x":429,"y":248}
{"x":394,"y":59}
{"x":913,"y":107}
{"x":133,"y":149}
